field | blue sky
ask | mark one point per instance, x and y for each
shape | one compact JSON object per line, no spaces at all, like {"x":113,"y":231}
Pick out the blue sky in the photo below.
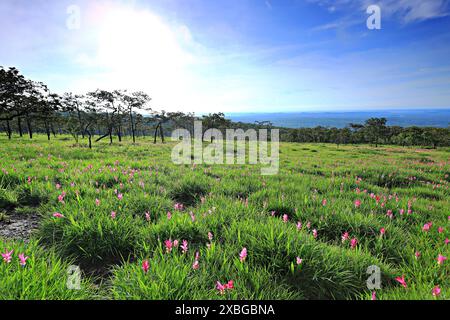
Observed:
{"x":237,"y":55}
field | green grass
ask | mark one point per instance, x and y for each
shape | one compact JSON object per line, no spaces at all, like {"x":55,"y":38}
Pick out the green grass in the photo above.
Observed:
{"x":234,"y":203}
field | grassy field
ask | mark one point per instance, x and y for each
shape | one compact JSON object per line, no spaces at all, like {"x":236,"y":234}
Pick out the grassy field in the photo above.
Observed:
{"x":310,"y":231}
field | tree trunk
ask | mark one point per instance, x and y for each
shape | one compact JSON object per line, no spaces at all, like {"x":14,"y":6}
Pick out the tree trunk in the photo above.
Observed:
{"x":8,"y":128}
{"x":47,"y":130}
{"x":19,"y":125}
{"x":161,"y":132}
{"x":132,"y":126}
{"x":30,"y":129}
{"x":156,"y":132}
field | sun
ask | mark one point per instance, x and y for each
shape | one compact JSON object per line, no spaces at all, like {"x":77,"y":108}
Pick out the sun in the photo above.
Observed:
{"x":138,"y":50}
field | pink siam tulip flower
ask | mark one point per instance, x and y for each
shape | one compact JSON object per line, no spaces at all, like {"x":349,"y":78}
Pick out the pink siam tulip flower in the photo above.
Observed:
{"x":299,"y":261}
{"x":178,"y":206}
{"x":353,"y":243}
{"x":145,"y":266}
{"x":401,"y":280}
{"x":285,"y":218}
{"x":324,"y":202}
{"x":97,"y":202}
{"x":23,"y":259}
{"x":243,"y":254}
{"x":441,"y":259}
{"x":169,"y":245}
{"x":417,"y":254}
{"x":374,"y":295}
{"x":272,"y":213}
{"x":58,"y":186}
{"x":230,"y":285}
{"x":184,"y":246}
{"x":402,"y":211}
{"x":58,"y":215}
{"x":299,"y":226}
{"x":210,"y":236}
{"x":195,"y":265}
{"x":308,"y":225}
{"x":446,"y":241}
{"x":7,"y":256}
{"x":426,"y":227}
{"x":357,"y":203}
{"x":345,"y":236}
{"x":147,"y":216}
{"x":436,"y":291}
{"x":220,"y":287}
{"x":440,"y":229}
{"x":314,"y":233}
{"x":175,"y":243}
{"x":169,"y":215}
{"x":382,"y":231}
{"x":113,"y":214}
{"x":192,"y":216}
{"x":120,"y":196}
{"x":390,"y":214}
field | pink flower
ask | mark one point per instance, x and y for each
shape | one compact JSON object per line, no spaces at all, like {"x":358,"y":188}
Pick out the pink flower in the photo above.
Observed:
{"x":417,"y":254}
{"x":223,"y":287}
{"x":7,"y":256}
{"x":353,"y":243}
{"x":285,"y":218}
{"x":178,"y":206}
{"x":58,"y":215}
{"x":426,"y":227}
{"x":382,"y":231}
{"x":374,"y":295}
{"x":357,"y":203}
{"x":401,"y":280}
{"x":195,"y":265}
{"x":61,"y":198}
{"x":441,"y":259}
{"x":169,"y":215}
{"x":314,"y":233}
{"x":446,"y":241}
{"x":120,"y":196}
{"x":58,"y":186}
{"x":97,"y":202}
{"x":436,"y":291}
{"x":23,"y":259}
{"x":299,"y":225}
{"x":113,"y":214}
{"x":175,"y":243}
{"x":147,"y":216}
{"x":243,"y":254}
{"x":390,"y":214}
{"x":345,"y":236}
{"x":220,"y":287}
{"x":184,"y":246}
{"x":210,"y":236}
{"x":324,"y":202}
{"x":440,"y":229}
{"x":192,"y":216}
{"x":145,"y":266}
{"x":299,"y":261}
{"x":169,"y":245}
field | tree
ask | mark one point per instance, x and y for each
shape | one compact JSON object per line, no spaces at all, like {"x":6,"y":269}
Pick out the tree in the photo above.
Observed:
{"x":375,"y":129}
{"x":136,"y":100}
{"x":12,"y":88}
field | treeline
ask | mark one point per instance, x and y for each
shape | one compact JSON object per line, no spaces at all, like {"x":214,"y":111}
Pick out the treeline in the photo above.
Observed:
{"x":28,"y":107}
{"x":373,"y":131}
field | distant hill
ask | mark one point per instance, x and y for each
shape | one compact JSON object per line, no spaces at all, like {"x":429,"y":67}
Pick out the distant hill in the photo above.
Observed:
{"x":403,"y":118}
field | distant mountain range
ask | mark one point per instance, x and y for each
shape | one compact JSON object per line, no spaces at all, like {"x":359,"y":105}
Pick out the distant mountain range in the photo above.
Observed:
{"x":403,"y":118}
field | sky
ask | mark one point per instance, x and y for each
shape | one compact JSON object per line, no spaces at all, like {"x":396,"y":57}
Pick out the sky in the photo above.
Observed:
{"x":236,"y":55}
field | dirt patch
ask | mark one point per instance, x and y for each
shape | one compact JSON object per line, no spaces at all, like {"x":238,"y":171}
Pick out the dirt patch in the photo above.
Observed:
{"x":19,"y":226}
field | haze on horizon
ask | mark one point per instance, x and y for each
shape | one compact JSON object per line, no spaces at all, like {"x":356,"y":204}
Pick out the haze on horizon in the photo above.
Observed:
{"x":237,"y":56}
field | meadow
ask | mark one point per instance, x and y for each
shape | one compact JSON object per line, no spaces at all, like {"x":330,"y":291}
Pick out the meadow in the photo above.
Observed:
{"x":141,"y":227}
